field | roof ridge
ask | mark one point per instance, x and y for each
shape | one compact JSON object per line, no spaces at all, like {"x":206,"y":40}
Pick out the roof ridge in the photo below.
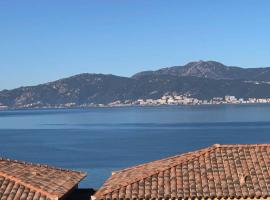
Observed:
{"x":242,"y":145}
{"x":190,"y":157}
{"x":40,"y":165}
{"x":140,"y":165}
{"x":132,"y":175}
{"x":198,"y":152}
{"x":52,"y":196}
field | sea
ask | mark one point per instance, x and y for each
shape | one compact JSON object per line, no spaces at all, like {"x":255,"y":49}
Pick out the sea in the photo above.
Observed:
{"x":102,"y":140}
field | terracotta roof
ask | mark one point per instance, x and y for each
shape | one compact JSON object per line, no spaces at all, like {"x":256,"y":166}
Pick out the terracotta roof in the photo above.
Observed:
{"x":21,"y":180}
{"x":220,"y":171}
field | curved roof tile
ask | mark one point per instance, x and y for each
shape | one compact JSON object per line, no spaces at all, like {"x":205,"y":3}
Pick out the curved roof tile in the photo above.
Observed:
{"x":219,"y":171}
{"x":21,"y":180}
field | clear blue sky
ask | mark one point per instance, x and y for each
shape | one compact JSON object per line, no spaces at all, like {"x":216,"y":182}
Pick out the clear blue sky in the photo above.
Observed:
{"x":45,"y":40}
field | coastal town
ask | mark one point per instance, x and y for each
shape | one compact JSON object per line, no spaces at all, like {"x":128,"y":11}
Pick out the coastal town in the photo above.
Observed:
{"x":168,"y":99}
{"x":188,"y":100}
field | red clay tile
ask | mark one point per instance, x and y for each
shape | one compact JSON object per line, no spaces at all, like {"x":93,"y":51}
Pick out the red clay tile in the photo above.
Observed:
{"x":21,"y":180}
{"x":220,"y":171}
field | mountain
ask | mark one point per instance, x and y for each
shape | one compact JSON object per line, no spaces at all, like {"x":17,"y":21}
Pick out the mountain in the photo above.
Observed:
{"x":155,"y":86}
{"x":82,"y":88}
{"x":203,"y":80}
{"x":212,"y":70}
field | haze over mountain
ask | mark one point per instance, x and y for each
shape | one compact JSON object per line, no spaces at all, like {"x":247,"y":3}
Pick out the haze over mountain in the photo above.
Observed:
{"x":203,"y":80}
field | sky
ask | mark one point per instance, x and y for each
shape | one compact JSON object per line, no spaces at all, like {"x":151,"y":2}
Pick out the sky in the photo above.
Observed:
{"x":46,"y":40}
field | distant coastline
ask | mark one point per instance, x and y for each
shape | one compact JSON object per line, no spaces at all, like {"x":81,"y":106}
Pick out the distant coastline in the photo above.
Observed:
{"x":196,"y":83}
{"x":166,"y":100}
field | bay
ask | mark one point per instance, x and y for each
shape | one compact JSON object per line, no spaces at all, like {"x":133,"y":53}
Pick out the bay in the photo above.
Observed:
{"x":101,"y":140}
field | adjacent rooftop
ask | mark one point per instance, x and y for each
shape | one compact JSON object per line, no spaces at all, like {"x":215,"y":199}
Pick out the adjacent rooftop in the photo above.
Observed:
{"x":21,"y":180}
{"x":219,"y":171}
{"x":216,"y":172}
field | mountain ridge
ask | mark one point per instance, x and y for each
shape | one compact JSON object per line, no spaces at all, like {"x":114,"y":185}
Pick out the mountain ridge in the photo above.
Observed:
{"x":202,"y":80}
{"x":213,"y":70}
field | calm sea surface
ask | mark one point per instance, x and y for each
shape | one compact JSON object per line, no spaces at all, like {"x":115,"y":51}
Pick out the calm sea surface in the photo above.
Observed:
{"x":101,"y":140}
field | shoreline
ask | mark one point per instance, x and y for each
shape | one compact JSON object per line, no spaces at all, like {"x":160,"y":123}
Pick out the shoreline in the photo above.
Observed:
{"x":131,"y":106}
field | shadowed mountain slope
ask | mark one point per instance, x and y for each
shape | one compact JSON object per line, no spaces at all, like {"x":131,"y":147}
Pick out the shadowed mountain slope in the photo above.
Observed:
{"x":203,"y":80}
{"x":213,"y":70}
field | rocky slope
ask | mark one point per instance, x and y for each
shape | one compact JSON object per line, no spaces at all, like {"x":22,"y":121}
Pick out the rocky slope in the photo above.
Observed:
{"x":213,"y":70}
{"x":203,"y":80}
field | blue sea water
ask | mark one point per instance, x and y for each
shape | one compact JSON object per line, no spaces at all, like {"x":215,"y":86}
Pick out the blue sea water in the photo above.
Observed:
{"x":101,"y":140}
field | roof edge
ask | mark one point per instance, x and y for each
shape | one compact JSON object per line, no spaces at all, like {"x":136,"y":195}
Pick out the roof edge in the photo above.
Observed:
{"x":189,"y":155}
{"x":199,"y":153}
{"x":241,"y":145}
{"x":51,"y":196}
{"x":40,"y":165}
